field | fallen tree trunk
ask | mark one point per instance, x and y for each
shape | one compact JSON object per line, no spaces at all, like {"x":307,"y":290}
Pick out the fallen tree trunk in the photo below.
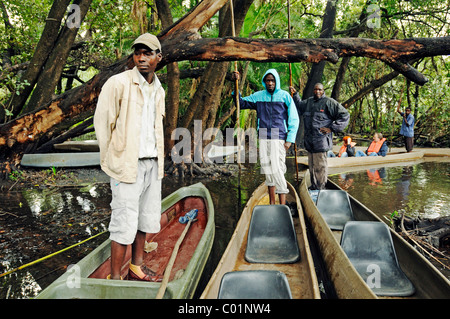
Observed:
{"x":395,"y":53}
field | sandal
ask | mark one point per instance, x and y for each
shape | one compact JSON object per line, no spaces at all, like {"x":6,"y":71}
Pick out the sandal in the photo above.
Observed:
{"x":153,"y":277}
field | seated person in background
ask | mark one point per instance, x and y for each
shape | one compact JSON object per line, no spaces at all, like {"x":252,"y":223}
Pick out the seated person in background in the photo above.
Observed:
{"x":347,"y":149}
{"x":378,"y":147}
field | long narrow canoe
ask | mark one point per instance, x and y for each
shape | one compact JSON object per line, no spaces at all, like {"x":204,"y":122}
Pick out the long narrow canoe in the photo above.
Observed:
{"x":78,"y":159}
{"x":87,"y":279}
{"x":427,"y":280}
{"x":301,"y":274}
{"x":78,"y":146}
{"x":367,"y":160}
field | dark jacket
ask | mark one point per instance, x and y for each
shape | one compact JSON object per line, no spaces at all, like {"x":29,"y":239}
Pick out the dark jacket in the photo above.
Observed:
{"x":324,"y":112}
{"x":274,"y":111}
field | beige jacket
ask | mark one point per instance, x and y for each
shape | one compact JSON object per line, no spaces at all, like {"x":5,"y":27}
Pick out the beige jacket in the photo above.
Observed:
{"x":117,"y":122}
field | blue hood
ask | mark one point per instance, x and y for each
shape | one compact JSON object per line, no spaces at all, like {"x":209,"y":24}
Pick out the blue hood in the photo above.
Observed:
{"x":277,"y":79}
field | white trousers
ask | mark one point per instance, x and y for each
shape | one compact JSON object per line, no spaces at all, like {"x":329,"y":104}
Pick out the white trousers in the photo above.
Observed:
{"x":136,"y":206}
{"x":272,"y":155}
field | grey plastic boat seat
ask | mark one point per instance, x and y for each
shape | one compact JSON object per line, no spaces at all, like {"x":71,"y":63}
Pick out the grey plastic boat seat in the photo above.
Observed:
{"x":271,"y":236}
{"x":254,"y":284}
{"x":334,"y":205}
{"x":370,"y":249}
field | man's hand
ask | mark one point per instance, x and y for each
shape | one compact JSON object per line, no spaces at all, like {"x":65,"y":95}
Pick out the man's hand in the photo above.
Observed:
{"x":292,"y":90}
{"x":235,"y":75}
{"x":325,"y":130}
{"x":287,"y":145}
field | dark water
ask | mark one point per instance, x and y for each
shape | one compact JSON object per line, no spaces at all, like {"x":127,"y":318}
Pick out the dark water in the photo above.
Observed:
{"x":417,"y":190}
{"x":39,"y":220}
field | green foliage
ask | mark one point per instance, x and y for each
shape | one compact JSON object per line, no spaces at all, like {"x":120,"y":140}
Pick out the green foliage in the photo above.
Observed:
{"x":109,"y":29}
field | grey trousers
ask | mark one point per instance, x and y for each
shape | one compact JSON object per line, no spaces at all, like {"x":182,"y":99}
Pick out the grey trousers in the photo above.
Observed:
{"x":136,"y":206}
{"x":318,"y":169}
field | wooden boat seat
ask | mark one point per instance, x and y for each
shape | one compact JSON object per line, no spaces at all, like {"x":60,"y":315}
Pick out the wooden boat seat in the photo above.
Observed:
{"x":334,"y":205}
{"x":271,"y":236}
{"x":370,"y":248}
{"x":254,"y":284}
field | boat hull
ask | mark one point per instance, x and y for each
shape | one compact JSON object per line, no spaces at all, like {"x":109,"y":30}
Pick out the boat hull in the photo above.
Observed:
{"x":87,"y":279}
{"x":427,"y":280}
{"x":78,"y":159}
{"x":301,"y":275}
{"x":367,"y":160}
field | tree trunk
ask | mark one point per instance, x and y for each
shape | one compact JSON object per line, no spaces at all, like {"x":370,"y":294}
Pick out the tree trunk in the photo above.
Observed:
{"x":41,"y":53}
{"x":173,"y":82}
{"x":48,"y":79}
{"x":335,"y":94}
{"x":26,"y":133}
{"x":316,"y":73}
{"x":206,"y":100}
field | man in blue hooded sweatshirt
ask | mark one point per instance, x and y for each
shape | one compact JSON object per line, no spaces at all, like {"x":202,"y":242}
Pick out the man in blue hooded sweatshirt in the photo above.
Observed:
{"x":278,"y":123}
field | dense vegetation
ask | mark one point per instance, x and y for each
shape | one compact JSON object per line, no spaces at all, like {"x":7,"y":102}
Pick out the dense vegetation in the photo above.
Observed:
{"x":370,"y":89}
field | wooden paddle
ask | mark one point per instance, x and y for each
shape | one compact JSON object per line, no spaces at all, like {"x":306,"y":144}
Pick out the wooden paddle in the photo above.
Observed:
{"x":395,"y":116}
{"x":169,"y":267}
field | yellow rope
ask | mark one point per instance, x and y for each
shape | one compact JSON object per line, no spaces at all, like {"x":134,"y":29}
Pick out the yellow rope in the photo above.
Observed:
{"x":51,"y":255}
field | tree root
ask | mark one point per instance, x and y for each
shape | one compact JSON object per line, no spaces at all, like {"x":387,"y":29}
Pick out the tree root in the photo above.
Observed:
{"x":192,"y":169}
{"x":428,"y":235}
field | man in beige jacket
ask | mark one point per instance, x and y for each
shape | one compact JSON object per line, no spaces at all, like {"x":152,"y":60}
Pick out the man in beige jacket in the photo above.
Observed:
{"x":129,"y":127}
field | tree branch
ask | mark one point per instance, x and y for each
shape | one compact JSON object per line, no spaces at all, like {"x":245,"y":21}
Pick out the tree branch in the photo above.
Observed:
{"x":369,"y":88}
{"x":394,"y":52}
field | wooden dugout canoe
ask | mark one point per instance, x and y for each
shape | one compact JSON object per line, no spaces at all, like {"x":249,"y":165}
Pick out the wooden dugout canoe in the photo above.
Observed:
{"x":90,"y":280}
{"x":427,"y":280}
{"x":367,"y":160}
{"x":78,"y":146}
{"x":301,"y":274}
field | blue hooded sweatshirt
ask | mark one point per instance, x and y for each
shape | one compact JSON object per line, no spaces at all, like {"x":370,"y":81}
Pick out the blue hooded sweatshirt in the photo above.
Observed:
{"x":276,"y":112}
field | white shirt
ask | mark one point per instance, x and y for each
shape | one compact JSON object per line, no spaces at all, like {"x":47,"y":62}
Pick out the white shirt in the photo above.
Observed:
{"x":148,"y":137}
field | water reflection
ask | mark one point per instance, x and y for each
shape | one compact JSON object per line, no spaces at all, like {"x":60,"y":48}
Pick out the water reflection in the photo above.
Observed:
{"x":376,"y":176}
{"x":420,"y":190}
{"x":404,"y":184}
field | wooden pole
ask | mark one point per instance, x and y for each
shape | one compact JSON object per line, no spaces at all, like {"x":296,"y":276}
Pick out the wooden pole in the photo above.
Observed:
{"x":290,"y":84}
{"x":238,"y":110}
{"x":395,"y":117}
{"x":165,"y":281}
{"x":51,"y":255}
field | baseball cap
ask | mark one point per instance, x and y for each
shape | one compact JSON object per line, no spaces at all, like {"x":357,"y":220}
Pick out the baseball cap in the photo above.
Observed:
{"x":148,"y":40}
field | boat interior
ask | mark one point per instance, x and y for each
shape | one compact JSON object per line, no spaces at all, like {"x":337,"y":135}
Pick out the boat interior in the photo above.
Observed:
{"x":271,"y":239}
{"x":271,"y":236}
{"x":255,"y":284}
{"x":367,"y":244}
{"x":171,"y":229}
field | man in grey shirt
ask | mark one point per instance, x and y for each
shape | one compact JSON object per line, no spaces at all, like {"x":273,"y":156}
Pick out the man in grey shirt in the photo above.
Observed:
{"x":321,"y":116}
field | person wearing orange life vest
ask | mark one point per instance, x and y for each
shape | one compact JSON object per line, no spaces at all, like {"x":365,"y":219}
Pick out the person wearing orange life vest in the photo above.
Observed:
{"x":378,"y":147}
{"x":346,"y":150}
